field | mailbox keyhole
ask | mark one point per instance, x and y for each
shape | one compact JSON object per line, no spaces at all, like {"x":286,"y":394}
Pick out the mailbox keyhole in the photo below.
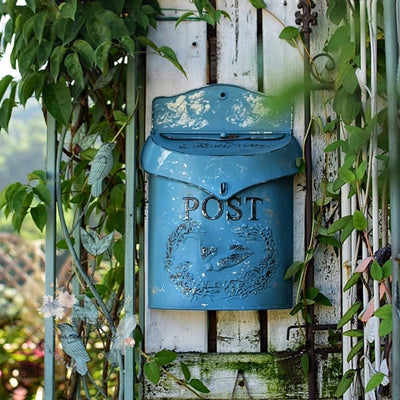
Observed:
{"x":224,"y":188}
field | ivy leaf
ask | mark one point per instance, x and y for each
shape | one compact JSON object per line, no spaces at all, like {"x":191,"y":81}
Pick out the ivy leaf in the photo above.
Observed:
{"x":360,"y":171}
{"x":37,"y":174}
{"x":164,"y":357}
{"x":39,"y":216}
{"x":68,"y":9}
{"x":289,"y":33}
{"x":85,"y":51}
{"x":384,"y":312}
{"x":170,"y":55}
{"x":152,"y":371}
{"x":336,"y":11}
{"x":330,"y":240}
{"x":39,"y":21}
{"x":115,"y":23}
{"x":43,"y":193}
{"x":55,"y":61}
{"x":354,"y":351}
{"x":349,"y":314}
{"x":358,"y":137}
{"x":293,"y":269}
{"x":4,"y":84}
{"x":347,"y":105}
{"x":352,"y":281}
{"x":101,"y":55}
{"x":359,"y":221}
{"x":385,"y":327}
{"x":27,"y":56}
{"x":119,"y":251}
{"x":346,"y":175}
{"x":376,"y":271}
{"x":31,"y":4}
{"x":18,"y":199}
{"x":185,"y":371}
{"x":57,"y":99}
{"x":198,"y":385}
{"x":26,"y":87}
{"x":340,"y":224}
{"x":97,"y":30}
{"x":184,"y":17}
{"x":334,"y":146}
{"x":7,"y":106}
{"x":128,"y":45}
{"x":387,"y":269}
{"x":374,"y":382}
{"x":44,"y":52}
{"x":305,"y":363}
{"x":322,"y":300}
{"x":354,"y":333}
{"x":74,"y":68}
{"x":257,"y":3}
{"x":345,"y":382}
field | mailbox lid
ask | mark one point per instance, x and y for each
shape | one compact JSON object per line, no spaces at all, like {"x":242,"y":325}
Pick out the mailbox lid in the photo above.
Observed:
{"x":209,"y":172}
{"x":220,"y":134}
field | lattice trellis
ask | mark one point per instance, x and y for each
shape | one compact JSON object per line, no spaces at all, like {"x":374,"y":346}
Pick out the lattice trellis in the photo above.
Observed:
{"x":22,"y":265}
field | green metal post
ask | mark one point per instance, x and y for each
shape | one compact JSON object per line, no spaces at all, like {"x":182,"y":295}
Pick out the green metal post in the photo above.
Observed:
{"x":50,"y":264}
{"x":391,"y":50}
{"x":130,"y":223}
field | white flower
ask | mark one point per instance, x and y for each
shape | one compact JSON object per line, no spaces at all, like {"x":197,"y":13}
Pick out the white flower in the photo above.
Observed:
{"x":51,"y":308}
{"x":65,"y":299}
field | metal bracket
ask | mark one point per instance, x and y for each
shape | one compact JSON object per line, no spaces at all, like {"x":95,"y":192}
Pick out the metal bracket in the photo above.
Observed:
{"x":240,"y":381}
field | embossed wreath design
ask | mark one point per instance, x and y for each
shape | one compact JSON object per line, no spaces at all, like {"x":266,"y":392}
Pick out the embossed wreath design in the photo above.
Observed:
{"x":249,"y":282}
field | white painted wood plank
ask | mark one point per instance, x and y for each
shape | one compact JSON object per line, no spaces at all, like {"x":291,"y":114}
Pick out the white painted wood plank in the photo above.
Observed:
{"x":237,"y":64}
{"x":179,"y":330}
{"x":237,"y":44}
{"x":283,"y":64}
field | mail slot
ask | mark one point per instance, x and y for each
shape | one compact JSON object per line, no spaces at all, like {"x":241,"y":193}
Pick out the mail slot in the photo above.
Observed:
{"x":220,"y":163}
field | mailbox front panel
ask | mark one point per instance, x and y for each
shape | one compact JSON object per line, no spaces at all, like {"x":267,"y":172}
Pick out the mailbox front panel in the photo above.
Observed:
{"x":206,"y":253}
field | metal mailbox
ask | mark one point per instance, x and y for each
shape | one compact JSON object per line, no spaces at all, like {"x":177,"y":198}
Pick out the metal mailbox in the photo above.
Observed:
{"x":220,"y":166}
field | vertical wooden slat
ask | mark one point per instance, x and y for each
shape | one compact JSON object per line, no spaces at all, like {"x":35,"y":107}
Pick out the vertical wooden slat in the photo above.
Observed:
{"x":237,"y":44}
{"x":237,"y":64}
{"x":179,"y":330}
{"x":130,"y":224}
{"x":282,"y":65}
{"x":50,"y":263}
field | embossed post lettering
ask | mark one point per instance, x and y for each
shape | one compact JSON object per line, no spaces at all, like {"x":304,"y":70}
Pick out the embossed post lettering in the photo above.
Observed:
{"x":204,"y":208}
{"x":238,"y":215}
{"x":233,"y":205}
{"x":253,"y":209}
{"x":190,"y":207}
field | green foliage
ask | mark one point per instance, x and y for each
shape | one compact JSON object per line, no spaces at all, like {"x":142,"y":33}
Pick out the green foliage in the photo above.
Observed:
{"x":73,"y":58}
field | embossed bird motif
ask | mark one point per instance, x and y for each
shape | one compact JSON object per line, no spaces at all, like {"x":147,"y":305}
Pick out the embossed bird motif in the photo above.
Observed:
{"x":101,"y":167}
{"x":238,"y":253}
{"x":73,"y":346}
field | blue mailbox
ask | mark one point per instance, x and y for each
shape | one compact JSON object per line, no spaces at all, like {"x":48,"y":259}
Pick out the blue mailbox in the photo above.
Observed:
{"x":220,"y":164}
